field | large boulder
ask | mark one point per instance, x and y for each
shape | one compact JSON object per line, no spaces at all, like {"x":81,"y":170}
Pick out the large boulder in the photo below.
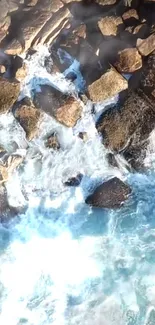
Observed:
{"x":64,"y":108}
{"x":9,"y":92}
{"x":111,"y":194}
{"x":110,"y":84}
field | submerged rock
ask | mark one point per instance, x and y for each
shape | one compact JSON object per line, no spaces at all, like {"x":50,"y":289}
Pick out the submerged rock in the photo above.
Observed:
{"x":9,"y":92}
{"x":64,"y":108}
{"x":110,"y":84}
{"x":74,"y":181}
{"x":7,"y":165}
{"x":110,"y":194}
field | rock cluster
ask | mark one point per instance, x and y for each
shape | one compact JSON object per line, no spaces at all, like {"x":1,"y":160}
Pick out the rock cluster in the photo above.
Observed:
{"x":109,"y":38}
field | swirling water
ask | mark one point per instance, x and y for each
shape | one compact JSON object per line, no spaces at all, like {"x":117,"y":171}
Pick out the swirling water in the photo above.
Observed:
{"x":62,"y":262}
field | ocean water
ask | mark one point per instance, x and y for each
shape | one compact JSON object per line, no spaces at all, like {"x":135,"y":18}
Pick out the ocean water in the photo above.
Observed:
{"x":62,"y":262}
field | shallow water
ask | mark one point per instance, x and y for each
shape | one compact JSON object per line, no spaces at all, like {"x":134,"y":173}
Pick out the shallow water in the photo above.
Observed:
{"x":62,"y":262}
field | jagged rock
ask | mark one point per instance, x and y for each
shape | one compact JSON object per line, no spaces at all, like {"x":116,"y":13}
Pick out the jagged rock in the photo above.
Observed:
{"x":29,"y":118}
{"x":7,"y":165}
{"x":127,"y":129}
{"x":110,"y":84}
{"x":129,"y":60}
{"x":110,"y":25}
{"x":52,"y":142}
{"x":146,"y":46}
{"x":9,"y":92}
{"x":111,"y":194}
{"x":83,"y":136}
{"x":74,"y":181}
{"x":64,"y":108}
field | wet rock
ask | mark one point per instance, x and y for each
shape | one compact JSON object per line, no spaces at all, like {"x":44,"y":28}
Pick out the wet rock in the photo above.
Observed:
{"x":147,"y":80}
{"x":111,"y":194}
{"x":83,"y":136}
{"x":126,"y":129}
{"x":146,"y":46}
{"x":129,"y":60}
{"x":110,"y":25}
{"x":74,"y":181}
{"x":64,"y":108}
{"x":111,"y":159}
{"x":52,"y":142}
{"x":7,"y":165}
{"x":110,"y":84}
{"x":29,"y":118}
{"x":9,"y":92}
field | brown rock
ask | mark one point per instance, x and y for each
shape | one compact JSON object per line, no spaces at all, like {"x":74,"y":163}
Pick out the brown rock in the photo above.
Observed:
{"x":110,"y":84}
{"x":146,"y":46}
{"x":130,"y":14}
{"x":52,"y":28}
{"x":147,"y":81}
{"x":111,"y":194}
{"x":129,"y":61}
{"x":109,"y":25}
{"x":21,"y":73}
{"x":8,"y":165}
{"x":9,"y":92}
{"x":106,"y":2}
{"x":29,"y":118}
{"x":52,"y":142}
{"x":64,"y":108}
{"x":30,"y":27}
{"x":2,"y":69}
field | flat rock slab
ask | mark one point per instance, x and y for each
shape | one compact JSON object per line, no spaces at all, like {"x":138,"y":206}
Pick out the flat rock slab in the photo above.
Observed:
{"x":111,"y":194}
{"x":9,"y":92}
{"x":109,"y":85}
{"x":64,"y":108}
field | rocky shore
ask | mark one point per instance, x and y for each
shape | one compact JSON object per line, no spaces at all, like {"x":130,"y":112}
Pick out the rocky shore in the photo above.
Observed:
{"x":114,"y":43}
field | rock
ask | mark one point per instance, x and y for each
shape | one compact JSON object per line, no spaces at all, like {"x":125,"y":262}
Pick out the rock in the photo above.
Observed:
{"x":147,"y":80}
{"x":2,"y":69}
{"x":64,"y":108}
{"x":52,"y":142}
{"x":126,"y":130}
{"x":83,"y":136}
{"x":9,"y":92}
{"x":29,"y":118}
{"x":52,"y":28}
{"x":129,"y":60}
{"x":110,"y":84}
{"x":110,"y":25}
{"x":7,"y":165}
{"x":74,"y":181}
{"x":106,"y":2}
{"x":21,"y":73}
{"x":146,"y":46}
{"x":111,"y":194}
{"x":29,"y":27}
{"x":130,"y":17}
